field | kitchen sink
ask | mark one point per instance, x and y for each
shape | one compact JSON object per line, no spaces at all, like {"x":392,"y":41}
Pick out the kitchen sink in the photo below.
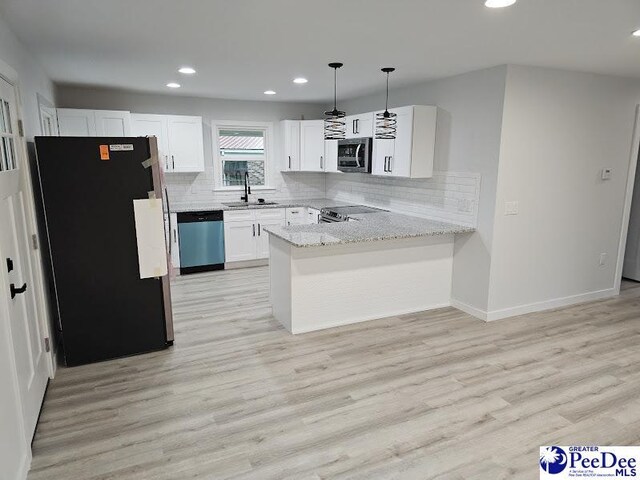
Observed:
{"x":248,"y":204}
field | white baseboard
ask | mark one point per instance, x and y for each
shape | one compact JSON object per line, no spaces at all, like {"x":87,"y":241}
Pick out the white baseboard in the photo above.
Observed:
{"x":551,"y":304}
{"x":533,"y":307}
{"x":246,"y":264}
{"x":367,"y":318}
{"x":471,"y":310}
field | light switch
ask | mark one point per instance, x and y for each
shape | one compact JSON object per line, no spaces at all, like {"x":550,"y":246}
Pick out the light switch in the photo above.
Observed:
{"x":606,"y":173}
{"x":511,"y":208}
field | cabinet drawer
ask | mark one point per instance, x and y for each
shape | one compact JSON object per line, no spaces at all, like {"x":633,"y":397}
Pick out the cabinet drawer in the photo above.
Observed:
{"x":238,"y":215}
{"x":293,"y":212}
{"x":270,"y":214}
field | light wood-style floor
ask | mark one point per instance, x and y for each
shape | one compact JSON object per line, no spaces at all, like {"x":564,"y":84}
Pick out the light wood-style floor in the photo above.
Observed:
{"x":431,"y":395}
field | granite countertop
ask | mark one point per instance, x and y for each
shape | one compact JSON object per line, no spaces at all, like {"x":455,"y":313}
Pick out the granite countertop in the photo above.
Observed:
{"x":317,"y":203}
{"x":365,"y":227}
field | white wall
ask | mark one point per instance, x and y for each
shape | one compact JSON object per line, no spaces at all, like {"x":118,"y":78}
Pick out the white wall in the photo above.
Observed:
{"x":196,"y":190}
{"x":33,"y":79}
{"x":559,"y":130}
{"x":468,"y":140}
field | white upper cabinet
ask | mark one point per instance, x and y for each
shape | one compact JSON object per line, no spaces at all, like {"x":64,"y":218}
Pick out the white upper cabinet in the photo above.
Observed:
{"x":73,"y":122}
{"x":144,"y":125}
{"x":186,"y":144}
{"x":113,"y":123}
{"x":412,"y":152}
{"x":331,"y":155}
{"x":312,"y":146}
{"x":180,"y":140}
{"x":359,"y":125}
{"x":290,"y":144}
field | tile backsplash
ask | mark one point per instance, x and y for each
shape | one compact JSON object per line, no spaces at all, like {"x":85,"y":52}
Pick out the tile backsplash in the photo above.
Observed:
{"x":196,"y":190}
{"x":447,"y":196}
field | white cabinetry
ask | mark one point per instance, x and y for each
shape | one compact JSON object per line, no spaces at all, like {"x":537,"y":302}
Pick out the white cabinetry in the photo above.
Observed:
{"x":412,"y":152}
{"x":186,"y":145}
{"x":244,"y":234}
{"x":143,"y":125}
{"x":113,"y":123}
{"x":74,"y":122}
{"x":313,"y":215}
{"x":180,"y":140}
{"x":331,"y":156}
{"x":296,"y":216}
{"x":312,"y":145}
{"x":291,"y":144}
{"x":359,"y":125}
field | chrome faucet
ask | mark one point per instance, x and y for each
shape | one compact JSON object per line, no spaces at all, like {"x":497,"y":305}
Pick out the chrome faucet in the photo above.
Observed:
{"x":247,"y":188}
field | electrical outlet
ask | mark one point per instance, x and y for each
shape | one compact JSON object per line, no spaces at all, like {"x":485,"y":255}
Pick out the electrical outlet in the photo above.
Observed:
{"x":511,"y":208}
{"x":603,"y":259}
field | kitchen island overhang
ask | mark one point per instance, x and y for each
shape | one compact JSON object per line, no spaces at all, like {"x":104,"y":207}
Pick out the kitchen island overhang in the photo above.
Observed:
{"x":319,"y":281}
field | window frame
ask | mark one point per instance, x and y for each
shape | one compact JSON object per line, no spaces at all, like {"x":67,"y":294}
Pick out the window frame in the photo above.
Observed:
{"x":269,"y":154}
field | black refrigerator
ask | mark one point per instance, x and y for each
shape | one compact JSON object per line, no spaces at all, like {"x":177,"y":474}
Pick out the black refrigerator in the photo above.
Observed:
{"x":85,"y":187}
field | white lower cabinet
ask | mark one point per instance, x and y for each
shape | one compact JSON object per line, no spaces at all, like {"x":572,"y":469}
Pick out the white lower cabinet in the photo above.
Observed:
{"x":244,"y":234}
{"x":296,"y":216}
{"x":313,"y":215}
{"x":239,"y":240}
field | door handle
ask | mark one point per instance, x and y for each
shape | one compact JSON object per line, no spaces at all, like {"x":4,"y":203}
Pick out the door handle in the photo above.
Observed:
{"x":254,"y":229}
{"x":15,"y":291}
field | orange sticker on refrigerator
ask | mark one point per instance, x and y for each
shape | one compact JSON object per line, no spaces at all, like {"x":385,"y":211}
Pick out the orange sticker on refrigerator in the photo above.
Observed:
{"x":104,"y":152}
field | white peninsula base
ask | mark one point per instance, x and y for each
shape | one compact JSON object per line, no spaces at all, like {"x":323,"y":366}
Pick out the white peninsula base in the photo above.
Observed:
{"x":318,"y":287}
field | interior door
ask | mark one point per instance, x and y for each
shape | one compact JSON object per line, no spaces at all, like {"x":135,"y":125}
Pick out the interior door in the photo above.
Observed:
{"x":26,"y":335}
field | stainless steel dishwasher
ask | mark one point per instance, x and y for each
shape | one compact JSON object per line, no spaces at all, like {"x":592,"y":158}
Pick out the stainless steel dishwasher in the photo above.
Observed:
{"x":201,"y":241}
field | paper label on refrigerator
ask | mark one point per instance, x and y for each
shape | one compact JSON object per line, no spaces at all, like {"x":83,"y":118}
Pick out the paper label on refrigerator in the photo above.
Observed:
{"x":104,"y":152}
{"x":121,"y":147}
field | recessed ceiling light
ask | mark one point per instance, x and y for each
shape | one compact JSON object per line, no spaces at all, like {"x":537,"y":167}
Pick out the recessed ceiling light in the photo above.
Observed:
{"x":173,"y":85}
{"x":300,"y":80}
{"x":187,"y":70}
{"x":269,"y":92}
{"x":499,"y":3}
{"x":636,"y":33}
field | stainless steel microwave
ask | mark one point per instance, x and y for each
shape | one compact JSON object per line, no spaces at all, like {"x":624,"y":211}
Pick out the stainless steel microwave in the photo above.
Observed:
{"x":354,"y":155}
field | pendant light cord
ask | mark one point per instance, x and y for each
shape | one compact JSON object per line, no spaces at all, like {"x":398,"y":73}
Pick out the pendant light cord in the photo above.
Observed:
{"x":386,"y":104}
{"x":335,"y":89}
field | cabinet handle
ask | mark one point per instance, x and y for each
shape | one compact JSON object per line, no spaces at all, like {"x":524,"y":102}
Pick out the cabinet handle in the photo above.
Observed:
{"x":321,"y":163}
{"x":390,"y":169}
{"x":353,"y":127}
{"x":173,"y":163}
{"x":254,"y":229}
{"x":357,"y":125}
{"x":175,"y":236}
{"x":385,"y":163}
{"x":258,"y":229}
{"x":166,"y":162}
{"x":289,"y":162}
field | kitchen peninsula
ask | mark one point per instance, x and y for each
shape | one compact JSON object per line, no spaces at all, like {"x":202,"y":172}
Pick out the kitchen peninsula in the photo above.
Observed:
{"x":374,"y":266}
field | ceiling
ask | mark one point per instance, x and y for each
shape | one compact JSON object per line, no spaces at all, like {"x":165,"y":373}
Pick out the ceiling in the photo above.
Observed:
{"x":242,"y":47}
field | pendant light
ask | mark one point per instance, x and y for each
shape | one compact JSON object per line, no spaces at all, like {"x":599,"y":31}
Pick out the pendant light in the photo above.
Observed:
{"x":386,"y":121}
{"x":335,"y":126}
